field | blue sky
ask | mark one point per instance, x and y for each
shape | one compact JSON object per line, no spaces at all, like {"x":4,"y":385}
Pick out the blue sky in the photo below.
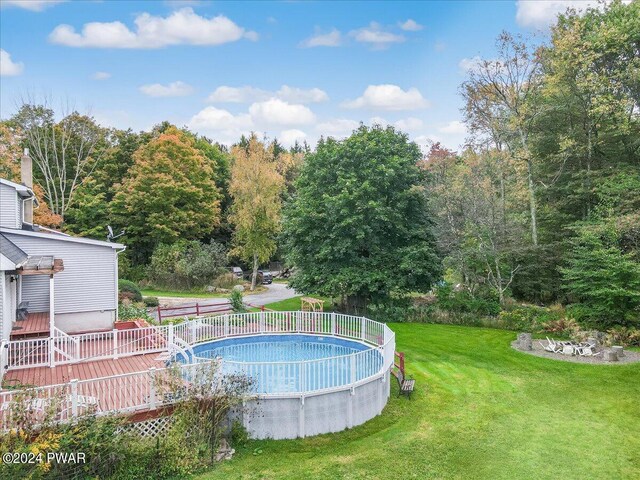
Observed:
{"x":289,"y":69}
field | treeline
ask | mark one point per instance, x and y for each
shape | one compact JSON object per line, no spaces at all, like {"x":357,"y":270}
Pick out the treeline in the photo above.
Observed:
{"x":165,"y":189}
{"x":545,"y":205}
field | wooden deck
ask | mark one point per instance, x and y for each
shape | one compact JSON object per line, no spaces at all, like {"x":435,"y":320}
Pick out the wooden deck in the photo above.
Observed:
{"x":36,"y":325}
{"x":41,"y":376}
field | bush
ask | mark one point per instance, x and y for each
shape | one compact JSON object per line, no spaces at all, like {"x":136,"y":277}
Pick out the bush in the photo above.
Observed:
{"x":151,"y":301}
{"x":131,"y":311}
{"x":236,"y":301}
{"x":623,"y":336}
{"x":485,"y":302}
{"x":186,"y":264}
{"x":128,"y":290}
{"x":227,"y":281}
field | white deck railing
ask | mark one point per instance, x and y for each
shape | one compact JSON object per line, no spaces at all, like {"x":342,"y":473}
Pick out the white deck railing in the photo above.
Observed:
{"x":138,"y":391}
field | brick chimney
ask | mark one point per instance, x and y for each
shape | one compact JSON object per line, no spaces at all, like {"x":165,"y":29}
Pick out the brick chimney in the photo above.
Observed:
{"x":26,"y":175}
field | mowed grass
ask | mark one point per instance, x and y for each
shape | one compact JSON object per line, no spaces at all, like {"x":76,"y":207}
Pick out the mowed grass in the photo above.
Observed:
{"x":480,"y":410}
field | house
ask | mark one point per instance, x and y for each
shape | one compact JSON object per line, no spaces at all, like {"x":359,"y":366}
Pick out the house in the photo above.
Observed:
{"x":50,"y":280}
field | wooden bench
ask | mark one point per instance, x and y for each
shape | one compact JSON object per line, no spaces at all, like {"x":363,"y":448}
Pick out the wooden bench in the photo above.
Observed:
{"x":405,"y":385}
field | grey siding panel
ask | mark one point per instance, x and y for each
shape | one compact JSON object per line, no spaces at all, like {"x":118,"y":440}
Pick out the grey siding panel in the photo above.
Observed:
{"x":9,"y":207}
{"x":35,"y":290}
{"x":88,"y":282}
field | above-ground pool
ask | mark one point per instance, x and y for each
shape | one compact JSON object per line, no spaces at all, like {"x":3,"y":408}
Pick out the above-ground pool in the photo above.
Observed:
{"x":311,"y":372}
{"x":294,"y":363}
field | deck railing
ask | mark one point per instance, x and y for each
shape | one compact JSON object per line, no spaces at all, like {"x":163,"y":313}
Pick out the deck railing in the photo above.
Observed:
{"x":138,"y":391}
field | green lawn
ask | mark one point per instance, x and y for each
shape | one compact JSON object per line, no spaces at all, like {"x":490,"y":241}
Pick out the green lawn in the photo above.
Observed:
{"x":481,"y":410}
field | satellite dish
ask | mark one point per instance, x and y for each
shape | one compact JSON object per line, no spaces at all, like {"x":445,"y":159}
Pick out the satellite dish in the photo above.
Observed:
{"x":111,"y":236}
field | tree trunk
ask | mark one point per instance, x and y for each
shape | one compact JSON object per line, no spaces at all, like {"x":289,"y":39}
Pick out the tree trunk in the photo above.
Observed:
{"x":532,"y":204}
{"x":254,"y":275}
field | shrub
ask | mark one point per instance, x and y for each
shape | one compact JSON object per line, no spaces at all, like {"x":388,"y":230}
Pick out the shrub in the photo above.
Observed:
{"x":226,"y":280}
{"x":151,"y":301}
{"x":623,"y":336}
{"x":485,"y":302}
{"x":128,"y":290}
{"x":236,"y":301}
{"x":186,"y":264}
{"x":132,"y":311}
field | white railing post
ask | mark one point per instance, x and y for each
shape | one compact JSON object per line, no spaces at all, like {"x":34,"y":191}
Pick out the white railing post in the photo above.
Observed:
{"x":362,"y":327}
{"x":333,"y":323}
{"x":261,"y":321}
{"x":152,"y":388}
{"x":226,"y":324}
{"x":52,"y":354}
{"x":297,"y":329}
{"x":303,"y":378}
{"x":353,"y":368}
{"x":171,"y":334}
{"x":73,"y":384}
{"x":192,"y":328}
{"x":115,"y":344}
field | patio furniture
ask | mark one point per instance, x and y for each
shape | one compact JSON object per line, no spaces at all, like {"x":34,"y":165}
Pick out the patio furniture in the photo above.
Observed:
{"x":405,"y":385}
{"x":552,"y":346}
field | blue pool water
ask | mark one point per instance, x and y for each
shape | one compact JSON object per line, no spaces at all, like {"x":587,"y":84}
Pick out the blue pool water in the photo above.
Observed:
{"x":294,"y":363}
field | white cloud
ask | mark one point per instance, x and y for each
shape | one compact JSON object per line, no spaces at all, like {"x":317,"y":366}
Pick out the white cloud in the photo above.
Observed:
{"x":331,"y":39}
{"x":224,"y":94}
{"x":101,"y":76}
{"x":454,"y":127}
{"x":469,"y":64}
{"x":246,"y":94}
{"x":181,"y":27}
{"x":389,"y":97}
{"x":375,"y":36}
{"x":212,"y":119}
{"x":300,"y":95}
{"x":410,"y":26}
{"x":8,"y":67}
{"x":33,"y":5}
{"x":337,"y":127}
{"x":289,"y":137}
{"x":174,"y":89}
{"x":409,"y":124}
{"x":277,"y":112}
{"x":542,"y":14}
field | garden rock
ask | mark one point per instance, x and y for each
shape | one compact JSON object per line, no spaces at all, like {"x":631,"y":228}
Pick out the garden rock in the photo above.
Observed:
{"x":225,"y":452}
{"x":619,"y":351}
{"x":610,"y":355}
{"x":525,"y":341}
{"x":210,"y":288}
{"x":239,"y":288}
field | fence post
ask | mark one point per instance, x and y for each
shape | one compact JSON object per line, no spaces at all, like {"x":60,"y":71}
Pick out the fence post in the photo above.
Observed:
{"x":74,"y":397}
{"x":226,"y":324}
{"x":362,"y":335}
{"x":171,"y":334}
{"x":303,"y":377}
{"x":262,"y":321}
{"x":333,"y":323}
{"x":115,"y":343}
{"x":353,"y":369}
{"x":52,"y":354}
{"x":197,"y":309}
{"x":159,"y":315}
{"x":152,"y":389}
{"x":192,"y":327}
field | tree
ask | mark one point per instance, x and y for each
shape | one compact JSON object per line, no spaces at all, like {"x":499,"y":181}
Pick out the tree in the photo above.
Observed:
{"x":169,"y":194}
{"x":602,"y":278}
{"x":500,"y":102}
{"x":255,"y":188}
{"x":358,"y":227}
{"x":10,"y":155}
{"x":65,"y":152}
{"x":476,"y":198}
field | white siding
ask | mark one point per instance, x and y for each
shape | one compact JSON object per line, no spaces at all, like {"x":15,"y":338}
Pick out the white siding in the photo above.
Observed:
{"x":88,"y":282}
{"x":35,"y":290}
{"x":9,"y":207}
{"x":2,"y":307}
